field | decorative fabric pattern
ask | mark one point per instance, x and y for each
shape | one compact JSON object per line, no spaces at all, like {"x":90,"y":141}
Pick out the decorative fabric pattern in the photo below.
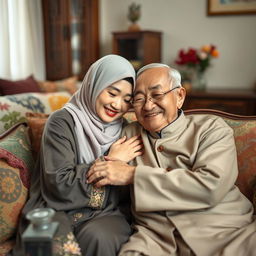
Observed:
{"x":28,"y":101}
{"x":66,"y":246}
{"x":15,"y":149}
{"x":16,"y":162}
{"x":245,"y":139}
{"x":14,"y":107}
{"x":10,"y":186}
{"x":13,"y":195}
{"x":97,"y":197}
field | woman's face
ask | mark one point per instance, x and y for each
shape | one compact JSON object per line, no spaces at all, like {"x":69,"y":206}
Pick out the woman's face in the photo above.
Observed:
{"x":114,"y":101}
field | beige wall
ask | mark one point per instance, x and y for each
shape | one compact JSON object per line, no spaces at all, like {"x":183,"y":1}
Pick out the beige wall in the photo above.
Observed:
{"x":184,"y":23}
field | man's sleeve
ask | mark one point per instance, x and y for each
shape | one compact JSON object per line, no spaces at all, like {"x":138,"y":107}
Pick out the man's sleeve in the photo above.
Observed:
{"x":212,"y":175}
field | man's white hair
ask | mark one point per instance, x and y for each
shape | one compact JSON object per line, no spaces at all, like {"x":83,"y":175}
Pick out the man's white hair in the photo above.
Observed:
{"x":174,"y":75}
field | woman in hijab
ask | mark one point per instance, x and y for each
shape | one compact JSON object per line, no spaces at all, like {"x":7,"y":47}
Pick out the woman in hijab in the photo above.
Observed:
{"x":74,"y":137}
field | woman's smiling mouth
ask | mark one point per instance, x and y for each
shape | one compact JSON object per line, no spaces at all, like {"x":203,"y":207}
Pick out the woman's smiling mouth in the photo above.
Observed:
{"x":110,"y":112}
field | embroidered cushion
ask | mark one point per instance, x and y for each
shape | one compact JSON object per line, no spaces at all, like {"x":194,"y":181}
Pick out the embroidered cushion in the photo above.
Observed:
{"x":68,"y":84}
{"x":245,"y":139}
{"x":13,"y":108}
{"x":16,"y":163}
{"x":36,"y":123}
{"x":8,"y":87}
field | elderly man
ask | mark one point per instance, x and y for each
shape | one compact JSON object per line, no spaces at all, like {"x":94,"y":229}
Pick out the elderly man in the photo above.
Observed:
{"x":184,"y":198}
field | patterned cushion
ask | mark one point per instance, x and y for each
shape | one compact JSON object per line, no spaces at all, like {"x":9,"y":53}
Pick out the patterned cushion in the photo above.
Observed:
{"x":36,"y":123}
{"x":68,"y":84}
{"x":14,"y":107}
{"x":16,"y":162}
{"x":245,"y":139}
{"x":8,"y":87}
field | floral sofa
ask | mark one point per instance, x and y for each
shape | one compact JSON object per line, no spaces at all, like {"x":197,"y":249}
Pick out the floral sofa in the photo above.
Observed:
{"x":17,"y":159}
{"x":22,"y":119}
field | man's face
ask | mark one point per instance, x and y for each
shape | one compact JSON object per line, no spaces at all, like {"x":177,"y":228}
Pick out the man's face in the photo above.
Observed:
{"x":154,"y":116}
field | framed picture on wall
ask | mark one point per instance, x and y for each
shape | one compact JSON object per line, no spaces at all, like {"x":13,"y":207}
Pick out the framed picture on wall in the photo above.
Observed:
{"x":231,"y":7}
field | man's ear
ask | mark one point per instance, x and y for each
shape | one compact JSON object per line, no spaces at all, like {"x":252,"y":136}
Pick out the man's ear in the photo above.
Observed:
{"x":181,"y":94}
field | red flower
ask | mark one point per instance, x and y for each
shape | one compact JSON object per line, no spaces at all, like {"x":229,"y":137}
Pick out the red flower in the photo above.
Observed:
{"x":4,"y":106}
{"x":198,"y":59}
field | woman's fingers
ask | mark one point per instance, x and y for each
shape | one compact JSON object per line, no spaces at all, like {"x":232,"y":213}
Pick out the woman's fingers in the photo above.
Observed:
{"x":138,"y":148}
{"x":133,"y":139}
{"x":120,"y":141}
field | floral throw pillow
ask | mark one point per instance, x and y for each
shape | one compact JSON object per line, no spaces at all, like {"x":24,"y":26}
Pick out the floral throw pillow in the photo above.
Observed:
{"x":16,"y":163}
{"x":13,"y":108}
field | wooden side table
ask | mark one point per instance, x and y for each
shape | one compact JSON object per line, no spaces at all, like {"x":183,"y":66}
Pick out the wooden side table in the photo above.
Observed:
{"x":241,"y":102}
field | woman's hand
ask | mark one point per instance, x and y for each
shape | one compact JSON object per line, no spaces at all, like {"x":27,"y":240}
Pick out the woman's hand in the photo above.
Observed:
{"x":126,"y":150}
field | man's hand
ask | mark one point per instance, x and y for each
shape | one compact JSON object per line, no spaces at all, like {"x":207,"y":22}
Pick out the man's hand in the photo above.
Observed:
{"x":111,"y":172}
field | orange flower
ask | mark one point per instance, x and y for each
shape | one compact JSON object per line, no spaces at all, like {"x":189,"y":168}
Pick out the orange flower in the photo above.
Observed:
{"x":206,"y":48}
{"x":215,"y":53}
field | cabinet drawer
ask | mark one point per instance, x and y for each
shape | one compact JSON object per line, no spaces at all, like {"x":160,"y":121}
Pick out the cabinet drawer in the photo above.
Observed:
{"x":232,"y":106}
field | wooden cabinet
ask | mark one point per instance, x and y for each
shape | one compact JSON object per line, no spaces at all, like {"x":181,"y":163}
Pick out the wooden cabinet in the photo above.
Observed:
{"x":71,"y":37}
{"x":139,"y":47}
{"x":237,"y":102}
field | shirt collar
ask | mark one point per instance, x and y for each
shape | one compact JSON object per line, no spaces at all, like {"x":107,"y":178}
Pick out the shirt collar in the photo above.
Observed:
{"x":176,"y":125}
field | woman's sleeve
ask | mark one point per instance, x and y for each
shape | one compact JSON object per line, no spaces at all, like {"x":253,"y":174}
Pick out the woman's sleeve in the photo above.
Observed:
{"x":63,"y":181}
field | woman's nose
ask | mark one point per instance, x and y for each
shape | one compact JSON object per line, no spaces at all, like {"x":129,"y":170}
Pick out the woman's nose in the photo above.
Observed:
{"x":117,"y":104}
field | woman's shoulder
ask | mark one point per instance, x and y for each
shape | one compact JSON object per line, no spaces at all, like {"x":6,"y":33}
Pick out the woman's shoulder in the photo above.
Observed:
{"x":60,"y":118}
{"x":60,"y":115}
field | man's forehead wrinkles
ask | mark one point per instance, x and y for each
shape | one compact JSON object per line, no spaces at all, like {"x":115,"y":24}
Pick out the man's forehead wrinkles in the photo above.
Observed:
{"x":154,"y":87}
{"x":150,"y":88}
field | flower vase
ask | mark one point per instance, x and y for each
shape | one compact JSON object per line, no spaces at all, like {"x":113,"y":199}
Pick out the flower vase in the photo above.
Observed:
{"x":199,"y":81}
{"x":134,"y":27}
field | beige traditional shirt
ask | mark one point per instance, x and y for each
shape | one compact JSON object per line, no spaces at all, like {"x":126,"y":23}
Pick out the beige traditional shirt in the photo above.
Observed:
{"x":184,"y":186}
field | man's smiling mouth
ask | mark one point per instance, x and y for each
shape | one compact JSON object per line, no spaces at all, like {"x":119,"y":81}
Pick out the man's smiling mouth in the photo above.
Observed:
{"x":152,"y":114}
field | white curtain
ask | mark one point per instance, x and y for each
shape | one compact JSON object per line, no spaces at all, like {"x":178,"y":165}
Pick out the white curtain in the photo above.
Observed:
{"x":21,"y":39}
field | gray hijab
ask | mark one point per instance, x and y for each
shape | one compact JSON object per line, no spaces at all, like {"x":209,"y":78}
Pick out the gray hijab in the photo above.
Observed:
{"x":93,"y":135}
